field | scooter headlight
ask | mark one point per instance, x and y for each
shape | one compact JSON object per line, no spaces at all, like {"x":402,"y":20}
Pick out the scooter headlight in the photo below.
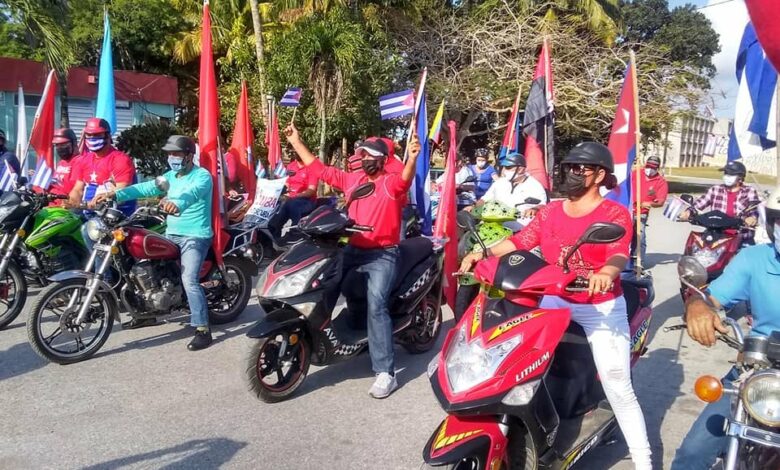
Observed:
{"x":294,"y":284}
{"x":95,"y":229}
{"x":470,"y":364}
{"x":761,"y":396}
{"x":707,"y":257}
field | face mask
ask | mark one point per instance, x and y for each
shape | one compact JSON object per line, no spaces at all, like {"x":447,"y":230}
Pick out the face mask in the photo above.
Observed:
{"x":650,"y":172}
{"x":730,"y":180}
{"x":574,"y":186}
{"x":481,"y":164}
{"x":777,"y":237}
{"x":64,"y":152}
{"x":371,"y":167}
{"x":175,"y":163}
{"x":95,"y":144}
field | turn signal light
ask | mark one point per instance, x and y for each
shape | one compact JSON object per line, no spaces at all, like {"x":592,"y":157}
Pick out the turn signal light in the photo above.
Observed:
{"x":495,"y":464}
{"x":119,"y":235}
{"x":708,"y":388}
{"x":114,"y":250}
{"x":21,"y":233}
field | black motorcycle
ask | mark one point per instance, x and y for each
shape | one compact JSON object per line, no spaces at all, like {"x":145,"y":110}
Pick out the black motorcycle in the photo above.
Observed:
{"x":299,"y":290}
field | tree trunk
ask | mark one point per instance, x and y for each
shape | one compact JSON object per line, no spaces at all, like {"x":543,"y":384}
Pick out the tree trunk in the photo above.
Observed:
{"x":260,"y":51}
{"x":63,"y":82}
{"x":323,"y":132}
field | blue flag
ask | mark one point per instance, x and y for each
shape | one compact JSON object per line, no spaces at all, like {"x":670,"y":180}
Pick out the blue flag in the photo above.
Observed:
{"x":106,"y":101}
{"x":421,"y":195}
{"x":754,"y":115}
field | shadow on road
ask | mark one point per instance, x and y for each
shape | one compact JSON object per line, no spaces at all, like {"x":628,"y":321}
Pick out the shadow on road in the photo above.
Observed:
{"x":199,"y":453}
{"x":18,"y":360}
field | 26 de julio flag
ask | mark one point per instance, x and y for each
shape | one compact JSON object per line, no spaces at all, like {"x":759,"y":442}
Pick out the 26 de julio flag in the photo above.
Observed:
{"x":445,"y":220}
{"x":511,"y":142}
{"x":243,"y":139}
{"x":43,"y":132}
{"x":208,"y":116}
{"x":538,"y":120}
{"x":622,"y":140}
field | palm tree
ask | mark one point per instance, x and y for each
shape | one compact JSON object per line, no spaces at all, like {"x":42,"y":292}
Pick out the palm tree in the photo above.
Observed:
{"x":602,"y":17}
{"x":43,"y":21}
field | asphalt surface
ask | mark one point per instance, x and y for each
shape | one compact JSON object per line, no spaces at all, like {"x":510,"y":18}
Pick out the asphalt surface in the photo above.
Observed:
{"x":144,"y":401}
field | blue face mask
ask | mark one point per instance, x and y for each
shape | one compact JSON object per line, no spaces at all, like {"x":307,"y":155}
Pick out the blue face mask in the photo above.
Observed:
{"x":175,"y":163}
{"x":777,"y":237}
{"x":95,"y":144}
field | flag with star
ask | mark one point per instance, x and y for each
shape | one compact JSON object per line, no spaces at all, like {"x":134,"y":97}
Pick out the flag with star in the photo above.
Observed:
{"x":623,"y":138}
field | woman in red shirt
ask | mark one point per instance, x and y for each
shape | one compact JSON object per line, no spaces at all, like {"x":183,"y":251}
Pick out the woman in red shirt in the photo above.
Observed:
{"x":602,"y":310}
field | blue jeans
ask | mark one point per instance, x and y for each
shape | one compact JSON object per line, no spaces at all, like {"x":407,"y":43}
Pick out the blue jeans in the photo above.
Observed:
{"x":193,"y":252}
{"x":706,"y":440}
{"x":379,"y":266}
{"x":292,"y":209}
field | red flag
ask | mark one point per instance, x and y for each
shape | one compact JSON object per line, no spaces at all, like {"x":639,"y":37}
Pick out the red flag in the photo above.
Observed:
{"x":208,"y":131}
{"x":243,"y":138}
{"x":43,"y":126}
{"x":510,"y":135}
{"x":537,"y":121}
{"x":275,"y":163}
{"x":445,"y":221}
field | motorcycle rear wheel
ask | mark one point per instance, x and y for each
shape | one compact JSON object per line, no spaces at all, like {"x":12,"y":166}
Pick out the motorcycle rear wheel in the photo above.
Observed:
{"x":228,"y":302}
{"x":13,"y":292}
{"x":54,"y":300}
{"x":263,"y":361}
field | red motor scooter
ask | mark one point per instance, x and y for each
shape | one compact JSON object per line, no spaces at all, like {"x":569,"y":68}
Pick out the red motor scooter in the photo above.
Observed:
{"x":518,"y":382}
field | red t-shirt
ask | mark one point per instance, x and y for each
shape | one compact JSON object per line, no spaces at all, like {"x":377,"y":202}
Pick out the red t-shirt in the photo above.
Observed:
{"x":556,"y":232}
{"x":64,"y":178}
{"x":731,"y":203}
{"x":115,"y":165}
{"x":654,"y":189}
{"x":303,"y":179}
{"x":381,"y":210}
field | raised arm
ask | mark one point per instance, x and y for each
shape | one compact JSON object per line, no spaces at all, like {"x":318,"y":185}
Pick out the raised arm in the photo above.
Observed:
{"x":411,"y":163}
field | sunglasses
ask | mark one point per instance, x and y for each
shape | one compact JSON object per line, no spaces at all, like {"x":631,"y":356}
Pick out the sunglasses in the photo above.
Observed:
{"x":580,"y":169}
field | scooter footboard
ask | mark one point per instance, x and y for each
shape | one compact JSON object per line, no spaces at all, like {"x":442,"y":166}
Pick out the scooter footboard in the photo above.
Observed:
{"x":457,"y":438}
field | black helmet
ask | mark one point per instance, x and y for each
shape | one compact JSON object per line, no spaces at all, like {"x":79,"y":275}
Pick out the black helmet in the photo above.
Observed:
{"x":64,"y":136}
{"x":179,"y":143}
{"x":734,"y":168}
{"x":481,"y":153}
{"x":591,"y":153}
{"x":513,"y":159}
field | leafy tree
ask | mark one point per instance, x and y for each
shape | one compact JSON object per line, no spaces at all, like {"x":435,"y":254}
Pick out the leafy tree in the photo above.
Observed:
{"x":144,"y":143}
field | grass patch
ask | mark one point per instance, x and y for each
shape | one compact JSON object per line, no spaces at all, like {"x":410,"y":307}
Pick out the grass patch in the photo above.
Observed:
{"x":711,"y":172}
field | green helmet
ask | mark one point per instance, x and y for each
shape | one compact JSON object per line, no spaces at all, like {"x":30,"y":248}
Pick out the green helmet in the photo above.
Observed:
{"x":494,"y":211}
{"x":491,"y":234}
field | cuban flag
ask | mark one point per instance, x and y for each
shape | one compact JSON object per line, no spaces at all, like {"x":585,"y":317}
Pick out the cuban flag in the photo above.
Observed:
{"x":260,"y":171}
{"x":622,"y":139}
{"x":397,"y":104}
{"x":43,"y":175}
{"x":280,"y":171}
{"x":674,"y":208}
{"x":7,"y":178}
{"x":292,"y":97}
{"x":755,"y":118}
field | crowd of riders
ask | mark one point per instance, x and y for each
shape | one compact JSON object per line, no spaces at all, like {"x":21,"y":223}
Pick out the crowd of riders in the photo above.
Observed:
{"x":101,"y":173}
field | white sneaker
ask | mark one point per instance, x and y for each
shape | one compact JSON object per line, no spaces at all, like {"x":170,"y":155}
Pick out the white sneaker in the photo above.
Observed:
{"x":384,"y":385}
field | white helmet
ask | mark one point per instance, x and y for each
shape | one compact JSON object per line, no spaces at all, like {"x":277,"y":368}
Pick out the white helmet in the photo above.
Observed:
{"x":772,"y":212}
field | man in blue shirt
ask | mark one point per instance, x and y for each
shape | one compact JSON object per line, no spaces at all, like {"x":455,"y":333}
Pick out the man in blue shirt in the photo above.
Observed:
{"x":189,"y":201}
{"x":754,"y":275}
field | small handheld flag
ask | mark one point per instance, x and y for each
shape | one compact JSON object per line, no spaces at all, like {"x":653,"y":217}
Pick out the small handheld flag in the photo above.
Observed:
{"x":43,"y":175}
{"x":396,"y":104}
{"x":674,"y":208}
{"x":7,"y":178}
{"x":292,"y":97}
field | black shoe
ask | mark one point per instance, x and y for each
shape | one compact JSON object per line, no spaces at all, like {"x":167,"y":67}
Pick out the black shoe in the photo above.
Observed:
{"x":136,"y":323}
{"x":202,"y":340}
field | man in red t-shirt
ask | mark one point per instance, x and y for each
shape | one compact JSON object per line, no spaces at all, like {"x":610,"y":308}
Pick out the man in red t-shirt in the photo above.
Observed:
{"x":300,"y":198}
{"x":374,"y":253}
{"x":654,"y":190}
{"x":65,"y":147}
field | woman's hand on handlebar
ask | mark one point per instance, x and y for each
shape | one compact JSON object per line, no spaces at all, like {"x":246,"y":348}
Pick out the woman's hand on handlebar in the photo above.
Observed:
{"x":469,"y":261}
{"x":599,"y":283}
{"x":168,"y":207}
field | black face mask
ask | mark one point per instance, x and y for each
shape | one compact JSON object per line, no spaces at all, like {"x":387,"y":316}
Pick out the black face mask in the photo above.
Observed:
{"x":371,"y":167}
{"x":65,"y":153}
{"x":574,"y":186}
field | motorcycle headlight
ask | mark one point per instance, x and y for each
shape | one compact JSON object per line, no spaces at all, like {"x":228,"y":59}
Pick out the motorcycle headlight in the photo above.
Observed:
{"x":95,"y":229}
{"x":470,"y":364}
{"x":706,"y":256}
{"x":761,"y":397}
{"x":294,"y":284}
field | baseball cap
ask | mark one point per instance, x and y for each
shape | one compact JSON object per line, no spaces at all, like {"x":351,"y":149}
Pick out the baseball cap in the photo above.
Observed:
{"x":374,"y":147}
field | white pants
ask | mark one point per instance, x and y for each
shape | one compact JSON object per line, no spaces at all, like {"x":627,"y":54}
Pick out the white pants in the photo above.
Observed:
{"x":606,"y":326}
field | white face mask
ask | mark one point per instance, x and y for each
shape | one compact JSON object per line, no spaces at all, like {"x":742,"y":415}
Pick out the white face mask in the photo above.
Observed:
{"x":730,"y":180}
{"x":481,"y":163}
{"x":650,"y":172}
{"x":777,"y":237}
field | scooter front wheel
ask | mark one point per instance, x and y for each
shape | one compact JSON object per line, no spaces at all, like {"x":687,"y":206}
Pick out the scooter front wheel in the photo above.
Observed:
{"x":276,"y":366}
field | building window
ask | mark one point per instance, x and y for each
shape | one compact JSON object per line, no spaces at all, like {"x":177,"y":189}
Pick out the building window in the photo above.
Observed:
{"x":30,"y":101}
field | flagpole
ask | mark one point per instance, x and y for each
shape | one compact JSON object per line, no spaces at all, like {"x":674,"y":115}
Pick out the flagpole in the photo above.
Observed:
{"x":547,"y":75}
{"x":638,"y":173}
{"x":292,"y":120}
{"x":417,"y":101}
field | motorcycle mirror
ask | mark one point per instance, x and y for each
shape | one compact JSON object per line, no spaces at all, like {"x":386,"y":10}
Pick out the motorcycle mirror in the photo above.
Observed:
{"x":532,"y":200}
{"x":687,"y":198}
{"x":361,"y":192}
{"x":598,"y":233}
{"x":689,"y":269}
{"x":162,"y":184}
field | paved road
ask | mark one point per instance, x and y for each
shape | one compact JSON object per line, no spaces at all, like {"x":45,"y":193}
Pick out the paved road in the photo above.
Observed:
{"x":146,"y":402}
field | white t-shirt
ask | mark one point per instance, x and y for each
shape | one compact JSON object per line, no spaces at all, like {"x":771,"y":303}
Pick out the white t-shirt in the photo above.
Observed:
{"x":466,"y":197}
{"x":502,"y":191}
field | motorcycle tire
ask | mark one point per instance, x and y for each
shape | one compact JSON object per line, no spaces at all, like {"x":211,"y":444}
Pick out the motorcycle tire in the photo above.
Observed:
{"x":50,"y":295}
{"x":425,"y":329}
{"x":221,"y":312}
{"x":266,"y":350}
{"x":520,"y":449}
{"x":14,"y":307}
